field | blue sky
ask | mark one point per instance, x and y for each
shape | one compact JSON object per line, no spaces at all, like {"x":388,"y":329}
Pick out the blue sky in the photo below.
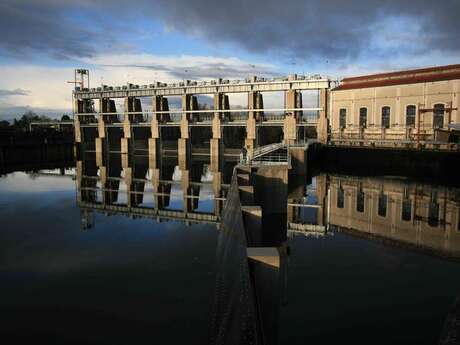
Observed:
{"x":42,"y":41}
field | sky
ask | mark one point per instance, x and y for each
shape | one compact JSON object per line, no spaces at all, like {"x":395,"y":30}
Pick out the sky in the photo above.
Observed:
{"x":43,"y":41}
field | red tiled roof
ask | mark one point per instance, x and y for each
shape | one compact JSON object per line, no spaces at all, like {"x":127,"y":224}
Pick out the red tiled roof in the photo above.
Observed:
{"x":422,"y":75}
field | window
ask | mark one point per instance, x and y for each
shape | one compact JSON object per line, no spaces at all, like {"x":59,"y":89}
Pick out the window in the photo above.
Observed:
{"x":343,"y":118}
{"x":360,"y":201}
{"x":410,"y":115}
{"x":363,"y":117}
{"x":433,"y":210}
{"x":386,"y":117}
{"x":438,"y":115}
{"x":340,"y":197}
{"x":406,"y":211}
{"x":458,"y":218}
{"x":383,"y":200}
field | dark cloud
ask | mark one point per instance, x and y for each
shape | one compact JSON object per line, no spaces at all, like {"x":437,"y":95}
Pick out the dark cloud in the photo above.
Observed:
{"x":291,"y":30}
{"x":31,"y":27}
{"x":311,"y":28}
{"x":15,"y":92}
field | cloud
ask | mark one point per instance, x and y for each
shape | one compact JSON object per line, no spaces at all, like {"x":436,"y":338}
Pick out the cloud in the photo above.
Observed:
{"x":15,"y":92}
{"x":183,"y":66}
{"x":50,"y":94}
{"x":313,"y":28}
{"x":294,"y":31}
{"x":44,"y":27}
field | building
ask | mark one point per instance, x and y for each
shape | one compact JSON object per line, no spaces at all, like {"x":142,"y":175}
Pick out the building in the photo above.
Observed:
{"x":422,"y":216}
{"x":407,"y":108}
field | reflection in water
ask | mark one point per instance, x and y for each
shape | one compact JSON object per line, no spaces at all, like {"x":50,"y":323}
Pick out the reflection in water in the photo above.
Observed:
{"x":126,"y":185}
{"x":396,"y":211}
{"x":393,"y":210}
{"x":251,"y":298}
{"x":248,"y":296}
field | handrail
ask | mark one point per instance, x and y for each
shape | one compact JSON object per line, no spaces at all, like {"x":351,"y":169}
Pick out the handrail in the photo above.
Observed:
{"x":262,"y":150}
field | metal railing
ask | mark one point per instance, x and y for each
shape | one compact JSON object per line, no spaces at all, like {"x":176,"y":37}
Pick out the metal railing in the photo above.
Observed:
{"x":262,"y":150}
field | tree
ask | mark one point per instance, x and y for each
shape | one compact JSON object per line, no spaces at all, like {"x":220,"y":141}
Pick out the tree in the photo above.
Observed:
{"x":66,"y":117}
{"x":27,"y":118}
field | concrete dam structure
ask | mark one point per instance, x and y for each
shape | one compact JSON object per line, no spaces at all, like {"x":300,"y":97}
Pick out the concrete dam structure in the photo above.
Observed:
{"x":413,"y":109}
{"x":257,"y":165}
{"x":99,"y":127}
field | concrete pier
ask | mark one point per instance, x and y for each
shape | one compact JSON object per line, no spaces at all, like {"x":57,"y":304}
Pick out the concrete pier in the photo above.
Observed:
{"x":135,"y":129}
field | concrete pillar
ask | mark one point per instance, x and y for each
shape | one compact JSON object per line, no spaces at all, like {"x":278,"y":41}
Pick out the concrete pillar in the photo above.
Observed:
{"x":124,"y":146}
{"x":289,"y":129}
{"x":321,"y":194}
{"x":128,"y":172}
{"x":189,"y":102}
{"x":216,"y":155}
{"x":217,"y":189}
{"x":81,"y":106}
{"x":99,"y":144}
{"x":255,"y":101}
{"x":186,"y":106}
{"x":99,"y":151}
{"x":103,"y":178}
{"x":293,"y":100}
{"x":185,"y":184}
{"x":126,"y":126}
{"x":184,"y":152}
{"x":154,"y":153}
{"x":221,"y":102}
{"x":79,"y":173}
{"x":250,"y":140}
{"x":183,"y":145}
{"x":323,"y":124}
{"x":103,"y":108}
{"x":125,"y":161}
{"x":77,"y":126}
{"x":133,"y":113}
{"x":161,"y":191}
{"x":159,"y":103}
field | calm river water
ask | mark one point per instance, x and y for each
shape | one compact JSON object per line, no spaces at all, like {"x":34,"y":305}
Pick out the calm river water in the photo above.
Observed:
{"x":381,"y":267}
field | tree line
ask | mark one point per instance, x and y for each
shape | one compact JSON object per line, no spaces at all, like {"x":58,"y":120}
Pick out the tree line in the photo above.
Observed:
{"x":24,"y":121}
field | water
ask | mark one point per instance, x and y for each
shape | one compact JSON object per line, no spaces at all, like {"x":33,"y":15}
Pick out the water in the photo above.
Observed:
{"x":74,"y":272}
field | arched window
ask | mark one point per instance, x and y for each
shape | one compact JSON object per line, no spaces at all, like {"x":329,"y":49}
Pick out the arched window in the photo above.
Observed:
{"x":340,"y":197}
{"x":383,"y":200}
{"x":406,"y":210}
{"x":410,"y":115}
{"x":342,"y":118}
{"x":433,"y":210}
{"x":438,"y":115}
{"x":363,"y":117}
{"x":360,"y":201}
{"x":386,"y":117}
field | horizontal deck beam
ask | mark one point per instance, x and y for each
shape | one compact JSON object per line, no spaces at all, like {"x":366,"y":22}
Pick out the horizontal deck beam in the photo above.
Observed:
{"x":234,"y":87}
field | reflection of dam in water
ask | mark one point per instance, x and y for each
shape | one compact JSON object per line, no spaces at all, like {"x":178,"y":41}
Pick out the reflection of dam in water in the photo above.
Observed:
{"x":420,"y":215}
{"x":252,"y":286}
